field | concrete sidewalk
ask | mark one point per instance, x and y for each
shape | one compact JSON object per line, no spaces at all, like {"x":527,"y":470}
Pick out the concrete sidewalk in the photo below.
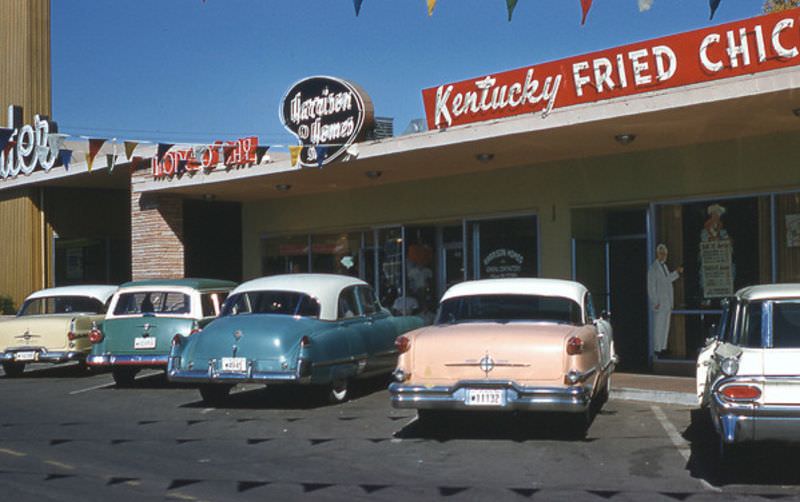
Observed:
{"x":654,"y":388}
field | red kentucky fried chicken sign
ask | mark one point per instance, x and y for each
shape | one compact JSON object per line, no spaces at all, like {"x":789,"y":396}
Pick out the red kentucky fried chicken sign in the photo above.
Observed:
{"x":750,"y":46}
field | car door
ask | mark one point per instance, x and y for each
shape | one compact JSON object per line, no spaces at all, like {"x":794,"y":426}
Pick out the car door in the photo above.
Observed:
{"x":605,"y":336}
{"x":782,"y":352}
{"x":352,"y":327}
{"x":380,"y":332}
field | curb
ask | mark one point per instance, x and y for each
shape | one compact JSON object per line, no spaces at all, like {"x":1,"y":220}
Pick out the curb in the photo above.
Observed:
{"x":655,"y":396}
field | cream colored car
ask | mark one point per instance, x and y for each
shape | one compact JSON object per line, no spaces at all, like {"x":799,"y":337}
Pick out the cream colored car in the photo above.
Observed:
{"x":52,"y":326}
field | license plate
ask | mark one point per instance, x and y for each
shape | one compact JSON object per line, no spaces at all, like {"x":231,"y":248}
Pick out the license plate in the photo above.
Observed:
{"x":144,"y":342}
{"x":234,"y":364}
{"x":486,"y":397}
{"x":25,"y":356}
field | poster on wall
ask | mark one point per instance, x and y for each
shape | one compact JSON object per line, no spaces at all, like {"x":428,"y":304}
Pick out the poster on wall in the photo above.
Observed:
{"x":793,"y":230}
{"x":502,"y":263}
{"x":717,"y":268}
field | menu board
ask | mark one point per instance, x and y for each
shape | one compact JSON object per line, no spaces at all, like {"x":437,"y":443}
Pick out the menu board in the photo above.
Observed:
{"x":717,"y":268}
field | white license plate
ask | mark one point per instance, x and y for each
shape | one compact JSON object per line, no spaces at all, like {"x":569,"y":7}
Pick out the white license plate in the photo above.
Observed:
{"x":144,"y":342}
{"x":25,"y":356}
{"x":234,"y":364}
{"x":486,"y":397}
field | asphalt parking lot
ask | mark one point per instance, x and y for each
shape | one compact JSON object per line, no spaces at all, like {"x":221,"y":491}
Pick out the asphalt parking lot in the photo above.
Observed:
{"x":67,"y":435}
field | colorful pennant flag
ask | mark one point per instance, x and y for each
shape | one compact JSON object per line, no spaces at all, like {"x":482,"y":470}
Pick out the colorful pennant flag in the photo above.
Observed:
{"x":585,"y":6}
{"x":713,"y":4}
{"x":645,"y":5}
{"x":512,"y":4}
{"x":181,"y":169}
{"x":322,"y":152}
{"x":56,"y":143}
{"x":294,"y":153}
{"x":5,"y":136}
{"x":357,"y":5}
{"x":162,"y":150}
{"x":111,"y":162}
{"x":431,"y":6}
{"x":260,"y":152}
{"x":130,"y":146}
{"x":65,"y":156}
{"x":95,"y":144}
{"x":136,"y":163}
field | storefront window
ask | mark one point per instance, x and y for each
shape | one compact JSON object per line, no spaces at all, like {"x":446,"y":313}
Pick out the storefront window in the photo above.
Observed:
{"x":336,"y":253}
{"x":787,"y":223}
{"x":505,"y":247}
{"x":420,"y":271}
{"x":721,"y":245}
{"x":285,"y":255}
{"x":390,"y":249}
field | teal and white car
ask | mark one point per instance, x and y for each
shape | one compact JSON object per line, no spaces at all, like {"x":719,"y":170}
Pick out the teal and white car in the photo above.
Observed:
{"x":144,"y":316}
{"x":318,"y":330}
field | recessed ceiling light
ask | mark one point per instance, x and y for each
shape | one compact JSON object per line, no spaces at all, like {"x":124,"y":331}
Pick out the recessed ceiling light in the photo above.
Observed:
{"x":283,"y":187}
{"x":484,"y":157}
{"x":625,"y":139}
{"x":375,"y":174}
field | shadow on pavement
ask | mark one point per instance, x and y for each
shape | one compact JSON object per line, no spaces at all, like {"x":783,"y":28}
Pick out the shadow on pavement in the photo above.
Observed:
{"x":446,"y":426}
{"x":64,"y":370}
{"x":292,"y":397}
{"x":766,"y":463}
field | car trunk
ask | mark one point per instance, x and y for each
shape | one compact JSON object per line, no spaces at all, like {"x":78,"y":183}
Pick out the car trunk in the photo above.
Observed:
{"x":49,"y":331}
{"x":778,"y":363}
{"x":527,"y":353}
{"x":148,"y":335}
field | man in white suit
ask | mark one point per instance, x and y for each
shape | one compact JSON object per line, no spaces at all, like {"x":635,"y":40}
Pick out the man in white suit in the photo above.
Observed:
{"x":660,"y":292}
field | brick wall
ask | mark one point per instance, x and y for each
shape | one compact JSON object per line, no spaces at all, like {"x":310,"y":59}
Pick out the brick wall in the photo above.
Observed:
{"x":157,"y":250}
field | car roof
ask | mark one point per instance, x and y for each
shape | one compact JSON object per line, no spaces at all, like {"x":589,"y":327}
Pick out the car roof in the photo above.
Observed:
{"x":769,"y":291}
{"x":324,"y":287}
{"x":519,"y":286}
{"x":194,"y":283}
{"x":97,"y":291}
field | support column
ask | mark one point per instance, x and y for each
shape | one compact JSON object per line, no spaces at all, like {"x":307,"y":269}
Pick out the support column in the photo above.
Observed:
{"x":157,"y":245}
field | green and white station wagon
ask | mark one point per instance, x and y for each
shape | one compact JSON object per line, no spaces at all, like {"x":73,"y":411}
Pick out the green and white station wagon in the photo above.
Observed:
{"x":52,"y":326}
{"x":144,"y":316}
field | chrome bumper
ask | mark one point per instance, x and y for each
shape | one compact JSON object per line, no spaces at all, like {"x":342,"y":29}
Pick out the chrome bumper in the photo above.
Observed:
{"x":743,"y":422}
{"x":43,"y":356}
{"x":573,"y":399}
{"x":213,"y":375}
{"x":127,"y":360}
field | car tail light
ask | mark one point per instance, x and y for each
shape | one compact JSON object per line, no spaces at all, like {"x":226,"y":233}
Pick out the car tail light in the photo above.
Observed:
{"x":741,"y":392}
{"x":177,"y":339}
{"x":402,"y":344}
{"x":305,"y":342}
{"x":195,"y":328}
{"x":574,"y":346}
{"x":71,"y":336}
{"x":95,"y":335}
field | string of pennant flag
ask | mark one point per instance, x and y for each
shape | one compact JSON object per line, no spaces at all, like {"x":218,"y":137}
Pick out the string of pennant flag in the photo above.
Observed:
{"x":585,"y":6}
{"x":57,"y":142}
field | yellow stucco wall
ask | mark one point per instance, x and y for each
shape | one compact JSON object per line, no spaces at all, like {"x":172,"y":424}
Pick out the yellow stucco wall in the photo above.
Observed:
{"x":551,"y":190}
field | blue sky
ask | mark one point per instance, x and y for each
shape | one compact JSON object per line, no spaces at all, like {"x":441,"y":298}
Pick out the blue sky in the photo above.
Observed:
{"x":194,"y":71}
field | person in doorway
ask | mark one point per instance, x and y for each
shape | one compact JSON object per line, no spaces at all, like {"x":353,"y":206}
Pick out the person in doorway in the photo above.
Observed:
{"x":660,"y":293}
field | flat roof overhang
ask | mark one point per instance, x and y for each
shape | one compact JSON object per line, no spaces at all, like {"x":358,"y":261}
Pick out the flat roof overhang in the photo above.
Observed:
{"x":724,"y":110}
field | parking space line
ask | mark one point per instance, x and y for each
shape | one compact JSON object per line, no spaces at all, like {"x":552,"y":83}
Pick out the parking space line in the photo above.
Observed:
{"x":677,"y":440}
{"x":55,"y":463}
{"x":13,"y":452}
{"x":147,"y":374}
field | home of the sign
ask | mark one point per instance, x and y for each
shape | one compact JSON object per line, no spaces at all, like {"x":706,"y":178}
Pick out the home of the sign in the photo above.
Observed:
{"x":241,"y":152}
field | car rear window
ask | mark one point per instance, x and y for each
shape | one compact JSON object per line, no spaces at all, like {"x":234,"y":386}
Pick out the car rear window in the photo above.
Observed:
{"x":506,"y":308}
{"x":153,"y":302}
{"x":62,"y":305}
{"x":786,"y":325}
{"x":272,"y":302}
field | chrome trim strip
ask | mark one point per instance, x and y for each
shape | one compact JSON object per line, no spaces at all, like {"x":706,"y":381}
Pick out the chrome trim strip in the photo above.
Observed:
{"x":43,"y":355}
{"x":127,"y":360}
{"x":344,"y":360}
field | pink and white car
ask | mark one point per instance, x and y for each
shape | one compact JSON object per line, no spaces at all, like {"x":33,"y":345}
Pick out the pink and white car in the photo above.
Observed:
{"x":508,"y":344}
{"x":748,"y":374}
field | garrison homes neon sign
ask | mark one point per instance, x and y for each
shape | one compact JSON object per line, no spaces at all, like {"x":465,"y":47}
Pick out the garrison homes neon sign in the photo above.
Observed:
{"x":327,"y":115}
{"x":31,"y":145}
{"x":745,"y":47}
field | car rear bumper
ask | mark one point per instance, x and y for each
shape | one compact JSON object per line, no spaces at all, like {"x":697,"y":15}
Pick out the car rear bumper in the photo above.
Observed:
{"x":302,"y":374}
{"x":42,"y":355}
{"x":754,"y":421}
{"x":107,"y":360}
{"x":573,"y":399}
